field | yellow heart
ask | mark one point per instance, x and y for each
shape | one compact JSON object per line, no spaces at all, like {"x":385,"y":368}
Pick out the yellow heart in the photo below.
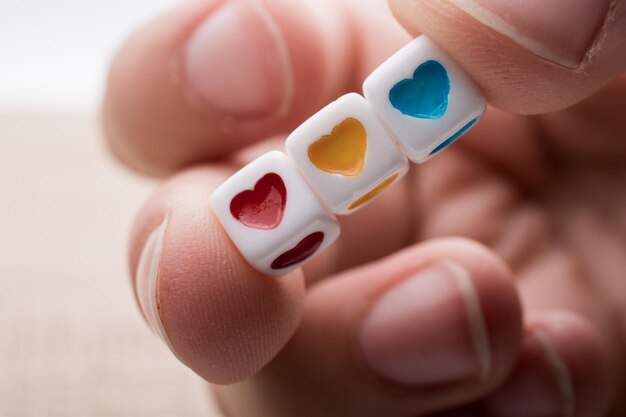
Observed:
{"x":377,"y":190}
{"x":343,"y":151}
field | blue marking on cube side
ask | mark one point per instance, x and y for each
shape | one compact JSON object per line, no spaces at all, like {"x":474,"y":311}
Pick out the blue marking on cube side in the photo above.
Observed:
{"x":425,"y":96}
{"x":454,"y":137}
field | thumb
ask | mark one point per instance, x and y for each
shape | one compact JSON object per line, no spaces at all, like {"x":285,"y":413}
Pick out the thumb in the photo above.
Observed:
{"x":531,"y":56}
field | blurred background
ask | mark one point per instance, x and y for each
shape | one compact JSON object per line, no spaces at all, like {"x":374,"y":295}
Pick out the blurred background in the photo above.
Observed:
{"x":72,"y":342}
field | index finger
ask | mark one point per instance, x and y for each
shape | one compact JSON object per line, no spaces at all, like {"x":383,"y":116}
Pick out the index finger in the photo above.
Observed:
{"x":211,"y":77}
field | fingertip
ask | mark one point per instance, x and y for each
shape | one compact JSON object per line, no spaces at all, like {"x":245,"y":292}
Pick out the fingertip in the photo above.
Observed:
{"x":586,"y":354}
{"x":145,"y":100}
{"x":211,"y":77}
{"x":219,"y":316}
{"x":418,"y":332}
{"x":565,"y":369}
{"x":497,"y":296}
{"x":486,"y":300}
{"x":527,"y":57}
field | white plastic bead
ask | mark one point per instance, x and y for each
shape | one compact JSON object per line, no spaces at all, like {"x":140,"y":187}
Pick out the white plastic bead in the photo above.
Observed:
{"x":424,"y":97}
{"x":272,"y":216}
{"x":346,"y":155}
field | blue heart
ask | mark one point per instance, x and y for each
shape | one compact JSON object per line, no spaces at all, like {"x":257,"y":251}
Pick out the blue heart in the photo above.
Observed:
{"x":425,"y":96}
{"x":454,"y":137}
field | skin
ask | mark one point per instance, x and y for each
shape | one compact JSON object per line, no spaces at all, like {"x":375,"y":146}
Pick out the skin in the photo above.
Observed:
{"x":530,"y":202}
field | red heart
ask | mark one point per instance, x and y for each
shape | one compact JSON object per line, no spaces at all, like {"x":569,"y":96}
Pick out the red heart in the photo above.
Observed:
{"x":304,"y":249}
{"x":264,"y":206}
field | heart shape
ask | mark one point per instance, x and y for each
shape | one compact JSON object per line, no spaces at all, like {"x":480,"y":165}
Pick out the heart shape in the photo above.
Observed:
{"x":453,"y":138}
{"x":262,"y":207}
{"x":374,"y":192}
{"x":303,"y":250}
{"x":343,"y":151}
{"x":425,"y":96}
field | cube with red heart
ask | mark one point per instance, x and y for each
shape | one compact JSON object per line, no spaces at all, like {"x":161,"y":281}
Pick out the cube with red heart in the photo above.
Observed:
{"x":272,"y":216}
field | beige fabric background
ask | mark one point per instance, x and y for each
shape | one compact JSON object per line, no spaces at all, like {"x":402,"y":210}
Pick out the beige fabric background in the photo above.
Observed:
{"x":71,"y":340}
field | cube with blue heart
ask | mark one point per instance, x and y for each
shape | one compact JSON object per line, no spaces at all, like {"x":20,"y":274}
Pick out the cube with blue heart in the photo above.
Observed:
{"x":425,"y":99}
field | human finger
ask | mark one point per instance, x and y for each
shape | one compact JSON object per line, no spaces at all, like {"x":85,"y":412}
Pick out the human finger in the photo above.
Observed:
{"x":210,"y":77}
{"x":528,"y":57}
{"x":434,"y":326}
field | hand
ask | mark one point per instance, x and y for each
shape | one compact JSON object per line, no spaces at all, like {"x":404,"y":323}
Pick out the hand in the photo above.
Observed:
{"x":523,"y":313}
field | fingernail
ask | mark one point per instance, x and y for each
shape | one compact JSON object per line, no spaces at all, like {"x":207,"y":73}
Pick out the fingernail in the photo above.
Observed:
{"x":428,"y":330}
{"x":541,"y":384}
{"x":146,"y":279}
{"x":237,"y":61}
{"x":561,"y":31}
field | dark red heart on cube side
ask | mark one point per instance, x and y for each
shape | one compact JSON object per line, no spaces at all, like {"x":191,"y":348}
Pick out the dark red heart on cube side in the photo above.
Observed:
{"x":303,"y":250}
{"x":262,"y":207}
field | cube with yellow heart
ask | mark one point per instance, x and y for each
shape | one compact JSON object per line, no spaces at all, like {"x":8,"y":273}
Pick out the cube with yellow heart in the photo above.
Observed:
{"x":346,"y":154}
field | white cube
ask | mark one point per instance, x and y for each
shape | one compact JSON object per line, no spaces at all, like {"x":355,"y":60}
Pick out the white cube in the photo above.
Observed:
{"x":346,"y":154}
{"x":272,"y":216}
{"x":424,"y":97}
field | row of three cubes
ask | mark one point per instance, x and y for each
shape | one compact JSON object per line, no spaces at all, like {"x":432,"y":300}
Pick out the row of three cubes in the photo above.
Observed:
{"x":280,"y":209}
